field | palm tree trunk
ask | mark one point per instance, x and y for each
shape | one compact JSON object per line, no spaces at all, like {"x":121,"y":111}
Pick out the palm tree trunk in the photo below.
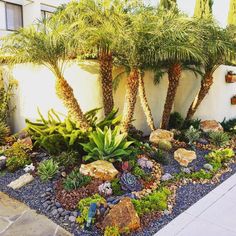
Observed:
{"x":205,"y":87}
{"x":174,"y":74}
{"x":130,"y":100}
{"x":65,"y":93}
{"x":144,"y":103}
{"x":106,"y":80}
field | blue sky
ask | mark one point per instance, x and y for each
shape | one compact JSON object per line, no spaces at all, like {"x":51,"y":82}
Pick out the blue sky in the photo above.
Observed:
{"x":220,"y":8}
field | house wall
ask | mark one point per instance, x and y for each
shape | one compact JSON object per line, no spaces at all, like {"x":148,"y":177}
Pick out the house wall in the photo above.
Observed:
{"x":36,"y":90}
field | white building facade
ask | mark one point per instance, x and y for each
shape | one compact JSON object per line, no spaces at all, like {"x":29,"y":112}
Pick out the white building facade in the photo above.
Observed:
{"x":15,"y":14}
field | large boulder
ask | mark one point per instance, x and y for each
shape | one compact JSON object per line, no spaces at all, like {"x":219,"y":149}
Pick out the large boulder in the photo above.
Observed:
{"x":161,"y":135}
{"x":210,"y":126}
{"x":123,"y":216}
{"x":184,"y":157}
{"x":100,"y":169}
{"x":21,"y":181}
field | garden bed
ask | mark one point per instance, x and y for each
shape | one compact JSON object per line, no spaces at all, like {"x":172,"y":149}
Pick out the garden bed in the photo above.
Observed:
{"x":37,"y":193}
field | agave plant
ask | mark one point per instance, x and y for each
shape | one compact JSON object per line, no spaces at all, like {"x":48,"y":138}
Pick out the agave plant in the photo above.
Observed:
{"x":108,"y":145}
{"x":130,"y":183}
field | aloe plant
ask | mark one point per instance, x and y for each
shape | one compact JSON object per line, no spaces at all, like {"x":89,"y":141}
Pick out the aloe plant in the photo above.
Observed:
{"x":110,"y":145}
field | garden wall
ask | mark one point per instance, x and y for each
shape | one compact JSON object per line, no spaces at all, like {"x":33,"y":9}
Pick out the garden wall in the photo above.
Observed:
{"x":36,"y":89}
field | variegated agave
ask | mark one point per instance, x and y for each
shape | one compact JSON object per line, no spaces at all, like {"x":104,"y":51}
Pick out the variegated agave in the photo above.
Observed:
{"x":110,"y":145}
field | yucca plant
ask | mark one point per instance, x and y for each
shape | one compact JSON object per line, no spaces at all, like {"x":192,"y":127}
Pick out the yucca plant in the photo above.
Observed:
{"x":219,"y":139}
{"x":110,"y":145}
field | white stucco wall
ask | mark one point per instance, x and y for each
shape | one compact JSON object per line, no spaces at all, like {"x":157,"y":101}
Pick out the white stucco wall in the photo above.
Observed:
{"x":36,"y":89}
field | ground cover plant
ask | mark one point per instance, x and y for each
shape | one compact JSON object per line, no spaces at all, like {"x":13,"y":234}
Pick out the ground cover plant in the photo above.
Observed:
{"x":94,"y":175}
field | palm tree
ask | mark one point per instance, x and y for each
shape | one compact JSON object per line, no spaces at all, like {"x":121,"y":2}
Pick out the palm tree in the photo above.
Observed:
{"x":181,"y":50}
{"x":102,"y":22}
{"x":130,"y":47}
{"x":232,"y":13}
{"x":45,"y":43}
{"x":203,"y":8}
{"x":218,"y":49}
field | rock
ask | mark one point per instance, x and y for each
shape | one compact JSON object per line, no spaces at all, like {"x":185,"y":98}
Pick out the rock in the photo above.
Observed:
{"x":100,"y":169}
{"x":186,"y":170}
{"x":184,"y":157}
{"x":45,"y":205}
{"x":166,"y":177}
{"x":72,"y":219}
{"x":63,"y":174}
{"x":23,"y":134}
{"x":208,"y":167}
{"x":29,"y":168}
{"x":54,"y":212}
{"x":27,"y":141}
{"x":203,"y":141}
{"x":21,"y":181}
{"x":60,"y":210}
{"x":123,"y":216}
{"x":211,"y":126}
{"x":58,"y":205}
{"x":160,"y":135}
{"x":75,"y":213}
{"x":3,"y":161}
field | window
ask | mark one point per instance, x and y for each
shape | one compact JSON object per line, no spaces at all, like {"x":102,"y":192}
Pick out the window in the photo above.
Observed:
{"x":46,"y":14}
{"x":14,"y":16}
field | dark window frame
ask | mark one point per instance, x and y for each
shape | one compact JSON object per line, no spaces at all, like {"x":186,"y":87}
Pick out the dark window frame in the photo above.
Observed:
{"x":22,"y":18}
{"x":45,"y":12}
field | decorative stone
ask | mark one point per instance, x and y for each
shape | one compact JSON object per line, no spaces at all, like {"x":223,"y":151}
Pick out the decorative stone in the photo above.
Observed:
{"x":29,"y":168}
{"x":208,"y":167}
{"x":72,"y":219}
{"x":160,"y":135}
{"x":166,"y":177}
{"x":3,"y":161}
{"x":186,"y":170}
{"x":184,"y":157}
{"x":100,"y":169}
{"x":23,"y":134}
{"x":27,"y":141}
{"x":203,"y":141}
{"x":54,"y":212}
{"x":211,"y":126}
{"x":123,"y":216}
{"x":21,"y":181}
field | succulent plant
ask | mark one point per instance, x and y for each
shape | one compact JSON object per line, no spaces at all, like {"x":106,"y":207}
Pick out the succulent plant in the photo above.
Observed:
{"x":105,"y":189}
{"x":130,"y":183}
{"x":144,"y":163}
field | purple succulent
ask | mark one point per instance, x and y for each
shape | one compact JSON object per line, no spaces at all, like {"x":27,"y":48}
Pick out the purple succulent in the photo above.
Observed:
{"x":105,"y":189}
{"x":130,"y":183}
{"x":144,"y":163}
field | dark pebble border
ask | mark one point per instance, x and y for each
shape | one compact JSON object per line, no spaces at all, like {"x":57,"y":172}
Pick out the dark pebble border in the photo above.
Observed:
{"x":40,"y":197}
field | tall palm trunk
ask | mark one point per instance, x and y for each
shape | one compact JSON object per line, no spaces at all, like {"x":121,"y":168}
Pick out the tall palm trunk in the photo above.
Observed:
{"x":130,"y":100}
{"x":65,"y":93}
{"x":174,"y":74}
{"x":205,"y":87}
{"x":106,"y":80}
{"x":144,"y":103}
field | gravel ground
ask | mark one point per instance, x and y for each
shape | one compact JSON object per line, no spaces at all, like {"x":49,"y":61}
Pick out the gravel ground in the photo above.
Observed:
{"x":39,"y":196}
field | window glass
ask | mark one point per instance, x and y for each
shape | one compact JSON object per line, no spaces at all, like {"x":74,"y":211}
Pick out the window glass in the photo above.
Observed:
{"x":2,"y":16}
{"x":46,"y":14}
{"x":14,"y":16}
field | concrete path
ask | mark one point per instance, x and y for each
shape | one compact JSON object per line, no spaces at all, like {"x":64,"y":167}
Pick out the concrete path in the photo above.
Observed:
{"x":213,"y":215}
{"x":18,"y":219}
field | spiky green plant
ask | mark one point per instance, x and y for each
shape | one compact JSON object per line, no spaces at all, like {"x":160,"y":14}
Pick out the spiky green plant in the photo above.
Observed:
{"x":107,"y":144}
{"x":219,"y":139}
{"x":232,"y":13}
{"x":4,"y":132}
{"x":47,"y":169}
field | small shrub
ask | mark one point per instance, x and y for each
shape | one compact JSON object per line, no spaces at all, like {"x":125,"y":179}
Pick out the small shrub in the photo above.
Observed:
{"x":67,"y":159}
{"x":160,"y":156}
{"x":176,"y":121}
{"x":192,"y":135}
{"x":140,"y":173}
{"x":229,"y":125}
{"x":47,"y":170}
{"x":84,"y":204}
{"x":109,"y":145}
{"x":111,"y":231}
{"x":153,"y":202}
{"x":76,"y":180}
{"x":195,"y":123}
{"x":220,"y":156}
{"x":219,"y":139}
{"x":116,"y":187}
{"x":165,"y":145}
{"x":17,"y":156}
{"x":4,"y":132}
